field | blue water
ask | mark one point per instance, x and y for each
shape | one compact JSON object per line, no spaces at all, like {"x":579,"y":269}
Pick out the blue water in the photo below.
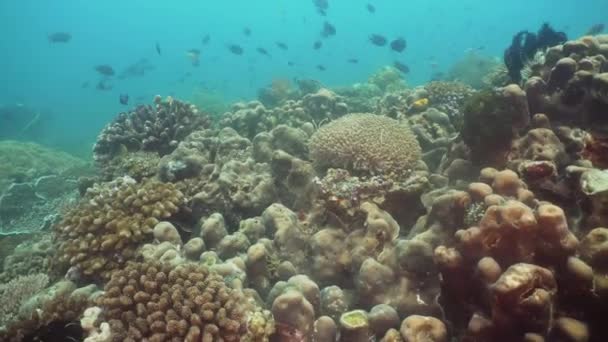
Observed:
{"x":120,"y":33}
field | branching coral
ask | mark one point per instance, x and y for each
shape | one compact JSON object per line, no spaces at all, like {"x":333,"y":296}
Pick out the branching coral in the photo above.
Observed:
{"x":14,"y":293}
{"x":157,"y":128}
{"x":113,"y":219}
{"x":366,"y":143}
{"x":188,"y":303}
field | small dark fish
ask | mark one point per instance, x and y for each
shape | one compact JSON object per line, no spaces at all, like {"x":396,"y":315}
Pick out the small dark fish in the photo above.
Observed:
{"x":328,"y":30}
{"x":398,"y":44}
{"x":317,"y":45}
{"x":401,"y":67}
{"x":105,"y":70}
{"x":290,"y":63}
{"x":322,"y":6}
{"x":353,"y":61}
{"x":377,"y":39}
{"x":84,"y":85}
{"x":59,"y":37}
{"x":206,"y":39}
{"x":104,"y":85}
{"x":321,"y":67}
{"x":235,"y":49}
{"x":595,"y":29}
{"x":247,"y":31}
{"x":124,"y":99}
{"x":262,"y":51}
{"x":282,"y":45}
{"x":194,"y":55}
{"x":371,"y":8}
{"x":158,"y":48}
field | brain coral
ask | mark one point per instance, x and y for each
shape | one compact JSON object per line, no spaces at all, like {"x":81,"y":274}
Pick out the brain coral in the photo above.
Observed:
{"x":103,"y":231}
{"x":150,"y":301}
{"x":366,"y":143}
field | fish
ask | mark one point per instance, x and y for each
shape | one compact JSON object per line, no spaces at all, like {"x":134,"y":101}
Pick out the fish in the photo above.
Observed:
{"x":84,"y":85}
{"x":158,"y":48}
{"x":353,"y":61}
{"x":401,"y":67}
{"x":194,"y":55}
{"x":282,"y":45}
{"x":124,"y":99}
{"x":370,"y":8}
{"x":103,"y":85}
{"x":420,"y":104}
{"x":321,"y":67}
{"x":235,"y":49}
{"x":137,"y":69}
{"x":328,"y":30}
{"x":317,"y":45}
{"x":290,"y":63}
{"x":377,"y":39}
{"x":262,"y":51}
{"x":595,"y":29}
{"x":206,"y":39}
{"x":322,"y":6}
{"x":398,"y":44}
{"x":247,"y":31}
{"x":59,"y":37}
{"x":105,"y":70}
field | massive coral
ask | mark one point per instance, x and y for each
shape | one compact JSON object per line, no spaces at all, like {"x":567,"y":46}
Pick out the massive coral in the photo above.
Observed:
{"x":365,"y":143}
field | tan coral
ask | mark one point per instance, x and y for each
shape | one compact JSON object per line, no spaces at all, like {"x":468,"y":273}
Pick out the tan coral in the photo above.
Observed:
{"x":366,"y":143}
{"x":111,"y":222}
{"x":154,"y":301}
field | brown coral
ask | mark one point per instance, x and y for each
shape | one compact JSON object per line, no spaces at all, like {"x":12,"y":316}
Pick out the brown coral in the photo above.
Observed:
{"x":151,"y":301}
{"x":366,"y":143}
{"x":157,"y":128}
{"x":115,"y":218}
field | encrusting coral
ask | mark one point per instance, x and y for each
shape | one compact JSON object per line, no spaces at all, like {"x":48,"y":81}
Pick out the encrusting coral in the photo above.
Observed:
{"x":156,"y":302}
{"x":111,"y":222}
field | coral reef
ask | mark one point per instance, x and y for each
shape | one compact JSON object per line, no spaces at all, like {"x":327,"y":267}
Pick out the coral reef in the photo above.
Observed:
{"x":17,"y":291}
{"x":449,"y":98}
{"x":365,"y":143}
{"x":154,"y":301}
{"x":103,"y":231}
{"x":492,"y":119}
{"x":24,"y":162}
{"x":157,"y":128}
{"x":472,"y":68}
{"x":251,"y":118}
{"x":445,"y":213}
{"x":569,"y":86}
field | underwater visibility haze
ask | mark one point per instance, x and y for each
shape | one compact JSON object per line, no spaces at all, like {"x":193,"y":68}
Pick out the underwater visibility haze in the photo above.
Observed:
{"x":311,"y":170}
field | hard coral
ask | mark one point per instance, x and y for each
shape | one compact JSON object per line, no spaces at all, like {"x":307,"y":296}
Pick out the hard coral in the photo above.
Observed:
{"x":111,"y":222}
{"x":366,"y":143}
{"x":157,"y":128}
{"x":492,"y":119}
{"x":153,"y":301}
{"x":449,"y":97}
